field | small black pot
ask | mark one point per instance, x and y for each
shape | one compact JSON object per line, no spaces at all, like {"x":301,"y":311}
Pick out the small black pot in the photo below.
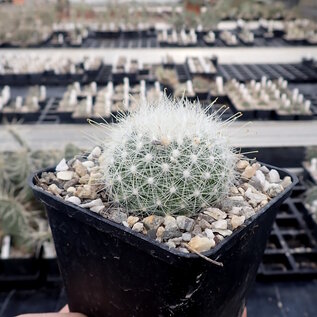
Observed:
{"x":110,"y":270}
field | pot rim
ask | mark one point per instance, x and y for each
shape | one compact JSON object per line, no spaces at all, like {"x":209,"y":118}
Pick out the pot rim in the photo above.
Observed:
{"x":216,"y":251}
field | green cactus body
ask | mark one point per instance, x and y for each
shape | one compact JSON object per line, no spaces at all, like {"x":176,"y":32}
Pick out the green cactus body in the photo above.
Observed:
{"x":168,"y":158}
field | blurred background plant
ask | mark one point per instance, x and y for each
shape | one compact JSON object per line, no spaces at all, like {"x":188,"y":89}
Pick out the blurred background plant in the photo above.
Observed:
{"x":21,"y":216}
{"x":311,"y":201}
{"x":311,"y":152}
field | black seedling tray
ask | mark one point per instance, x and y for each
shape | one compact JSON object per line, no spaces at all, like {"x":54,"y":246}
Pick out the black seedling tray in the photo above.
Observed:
{"x":149,"y":39}
{"x":21,"y":272}
{"x":291,"y":251}
{"x":294,"y":73}
{"x":299,"y":72}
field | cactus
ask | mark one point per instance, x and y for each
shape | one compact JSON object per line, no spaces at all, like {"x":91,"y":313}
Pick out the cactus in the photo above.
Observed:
{"x":168,"y":157}
{"x":21,"y":216}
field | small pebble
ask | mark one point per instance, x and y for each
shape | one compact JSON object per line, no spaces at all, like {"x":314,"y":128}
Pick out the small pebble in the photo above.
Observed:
{"x":88,"y":164}
{"x":132,"y":220}
{"x":242,"y":164}
{"x":256,"y":197}
{"x":286,"y":181}
{"x":248,"y":172}
{"x":215,"y":213}
{"x":209,"y":233}
{"x":197,"y":230}
{"x":151,"y":233}
{"x":260,"y":176}
{"x":97,"y":209}
{"x":223,"y":232}
{"x":219,"y":224}
{"x":95,"y":153}
{"x":62,"y":166}
{"x":138,"y":227}
{"x":152,"y":222}
{"x":71,"y":182}
{"x":184,"y":250}
{"x":186,"y":236}
{"x":124,"y":223}
{"x":274,"y":176}
{"x":85,"y":191}
{"x":237,"y":221}
{"x":203,"y":224}
{"x":274,"y":190}
{"x":84,"y":179}
{"x":65,"y":175}
{"x":71,"y":190}
{"x":247,"y":212}
{"x":118,"y":216}
{"x":170,"y":244}
{"x":79,"y":168}
{"x":93,"y":203}
{"x":201,"y":244}
{"x":54,"y":189}
{"x":264,"y":169}
{"x":235,"y":210}
{"x":171,"y":233}
{"x":159,"y":232}
{"x":74,"y":200}
{"x":185,"y":223}
{"x":170,"y":223}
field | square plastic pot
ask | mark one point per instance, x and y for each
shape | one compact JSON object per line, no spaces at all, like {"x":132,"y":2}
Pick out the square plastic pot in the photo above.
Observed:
{"x":109,"y":270}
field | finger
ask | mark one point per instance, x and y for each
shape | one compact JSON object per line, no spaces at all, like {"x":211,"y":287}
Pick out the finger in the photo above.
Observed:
{"x":65,"y":309}
{"x":244,"y":313}
{"x":54,"y":315}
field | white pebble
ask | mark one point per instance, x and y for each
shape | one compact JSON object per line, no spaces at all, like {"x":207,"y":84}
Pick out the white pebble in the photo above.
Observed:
{"x":274,"y":176}
{"x":220,"y":224}
{"x":138,"y":227}
{"x":65,"y":175}
{"x":97,"y":209}
{"x":257,"y":197}
{"x":93,"y":203}
{"x":74,"y":200}
{"x":71,"y":190}
{"x":215,"y":213}
{"x":286,"y":181}
{"x":223,"y":232}
{"x":88,"y":164}
{"x":62,"y":166}
{"x":209,"y":233}
{"x":260,"y":176}
{"x":186,"y":236}
{"x":96,"y":152}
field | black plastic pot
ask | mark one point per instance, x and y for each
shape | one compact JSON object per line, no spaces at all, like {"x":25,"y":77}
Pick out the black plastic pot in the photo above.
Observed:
{"x":109,"y":270}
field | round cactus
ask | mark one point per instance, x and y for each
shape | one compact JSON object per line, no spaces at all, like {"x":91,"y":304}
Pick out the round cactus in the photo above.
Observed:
{"x":168,"y":157}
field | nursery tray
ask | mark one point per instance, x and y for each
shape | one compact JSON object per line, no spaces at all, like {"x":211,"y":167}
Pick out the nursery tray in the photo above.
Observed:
{"x":21,"y":272}
{"x":292,"y":247}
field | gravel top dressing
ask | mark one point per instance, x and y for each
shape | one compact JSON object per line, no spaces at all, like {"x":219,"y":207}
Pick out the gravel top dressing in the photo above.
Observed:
{"x":75,"y":182}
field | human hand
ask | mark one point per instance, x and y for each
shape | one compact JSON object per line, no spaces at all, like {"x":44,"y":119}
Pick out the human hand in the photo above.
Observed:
{"x":62,"y":313}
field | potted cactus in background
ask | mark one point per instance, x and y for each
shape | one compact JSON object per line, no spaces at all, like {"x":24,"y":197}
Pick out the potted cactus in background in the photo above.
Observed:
{"x":163,"y":217}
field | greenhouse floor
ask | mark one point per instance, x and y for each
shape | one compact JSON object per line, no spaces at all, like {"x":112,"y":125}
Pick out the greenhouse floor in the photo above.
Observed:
{"x":277,"y":299}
